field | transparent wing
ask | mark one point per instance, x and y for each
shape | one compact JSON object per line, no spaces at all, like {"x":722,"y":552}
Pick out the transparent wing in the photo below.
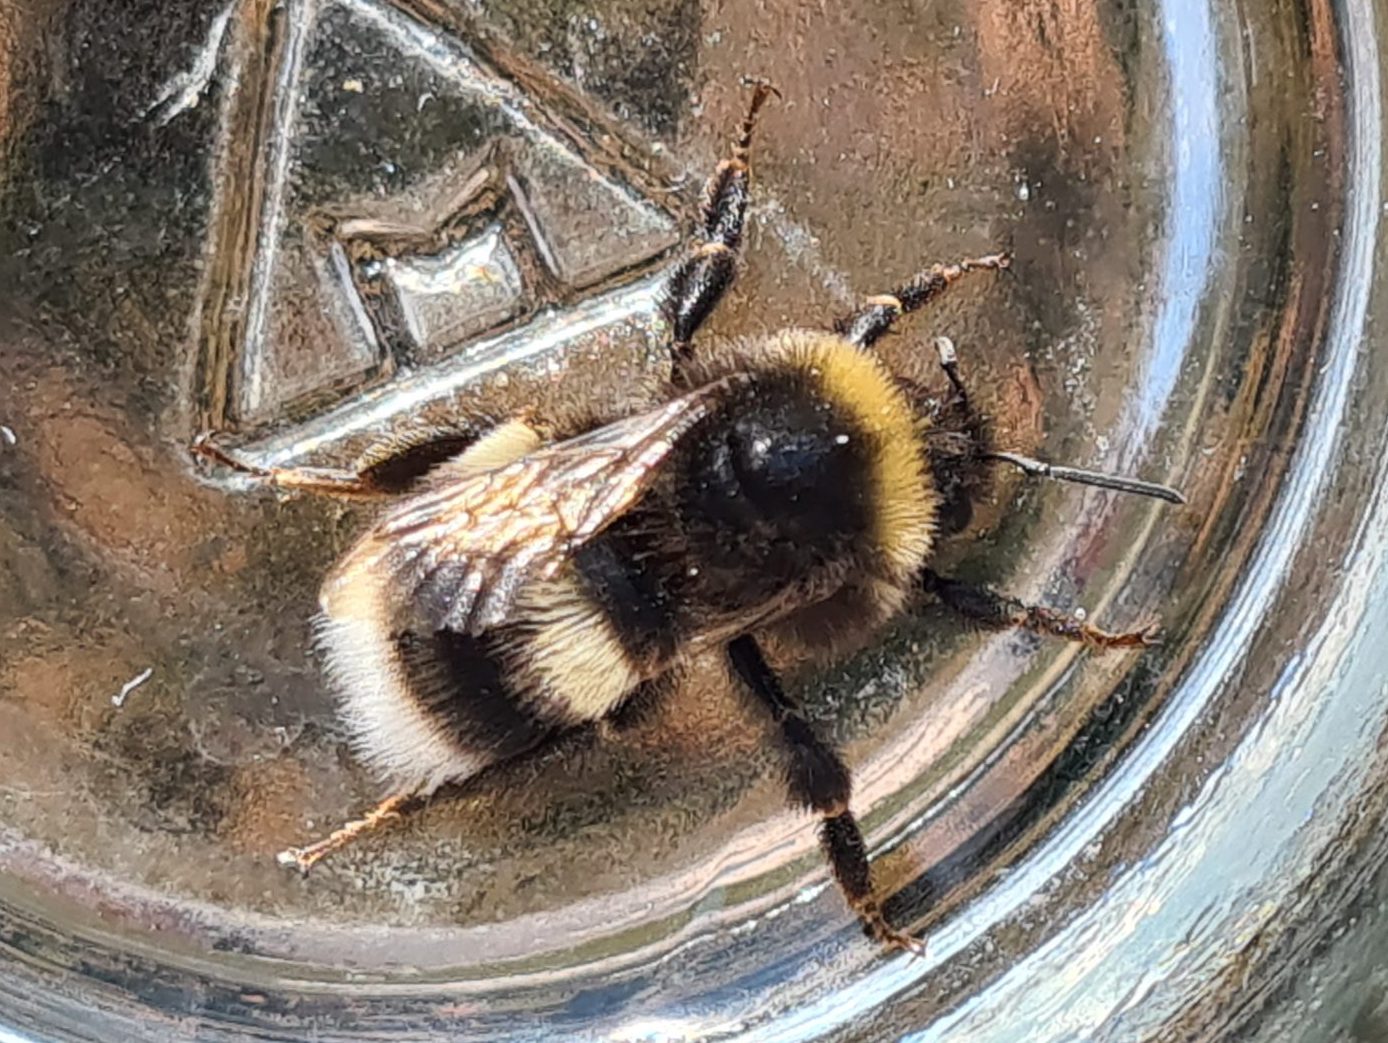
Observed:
{"x":455,"y":557}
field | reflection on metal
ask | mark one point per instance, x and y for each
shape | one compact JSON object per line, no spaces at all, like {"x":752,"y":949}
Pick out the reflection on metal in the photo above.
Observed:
{"x":463,"y":290}
{"x":1200,"y":205}
{"x":626,"y":313}
{"x":351,"y":248}
{"x":183,"y":91}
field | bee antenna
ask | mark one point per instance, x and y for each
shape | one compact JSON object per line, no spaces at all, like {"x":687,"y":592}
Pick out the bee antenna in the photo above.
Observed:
{"x":1119,"y":483}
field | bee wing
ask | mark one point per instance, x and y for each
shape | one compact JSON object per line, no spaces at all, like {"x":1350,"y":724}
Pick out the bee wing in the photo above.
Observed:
{"x":454,"y":558}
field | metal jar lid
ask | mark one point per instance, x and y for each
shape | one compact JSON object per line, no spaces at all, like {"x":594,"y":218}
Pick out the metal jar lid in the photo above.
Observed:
{"x":317,"y":224}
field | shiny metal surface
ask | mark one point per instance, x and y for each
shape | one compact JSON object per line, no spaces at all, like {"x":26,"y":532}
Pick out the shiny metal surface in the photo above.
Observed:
{"x":1182,"y":844}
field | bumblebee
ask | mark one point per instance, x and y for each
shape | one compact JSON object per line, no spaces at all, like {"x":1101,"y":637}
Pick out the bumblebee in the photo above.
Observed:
{"x":791,"y":488}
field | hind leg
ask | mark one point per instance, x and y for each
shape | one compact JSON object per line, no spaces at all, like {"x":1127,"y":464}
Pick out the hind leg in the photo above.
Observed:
{"x":392,"y":808}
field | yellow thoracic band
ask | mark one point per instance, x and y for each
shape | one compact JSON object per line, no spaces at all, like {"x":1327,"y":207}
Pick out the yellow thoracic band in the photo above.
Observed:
{"x":858,"y":383}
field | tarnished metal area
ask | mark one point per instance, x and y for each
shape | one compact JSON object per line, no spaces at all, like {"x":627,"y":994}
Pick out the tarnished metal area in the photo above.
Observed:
{"x":317,"y":225}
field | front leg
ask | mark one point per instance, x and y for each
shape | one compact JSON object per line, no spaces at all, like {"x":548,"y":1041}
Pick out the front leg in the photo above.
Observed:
{"x":1000,"y":612}
{"x":878,"y":314}
{"x":699,"y":282}
{"x":817,"y":779}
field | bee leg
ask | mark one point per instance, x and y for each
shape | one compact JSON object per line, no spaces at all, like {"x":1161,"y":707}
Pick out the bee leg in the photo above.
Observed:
{"x":866,"y":326}
{"x":818,"y":779}
{"x":1000,"y":612}
{"x":304,"y":858}
{"x":699,"y":282}
{"x":321,"y":480}
{"x":390,"y":468}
